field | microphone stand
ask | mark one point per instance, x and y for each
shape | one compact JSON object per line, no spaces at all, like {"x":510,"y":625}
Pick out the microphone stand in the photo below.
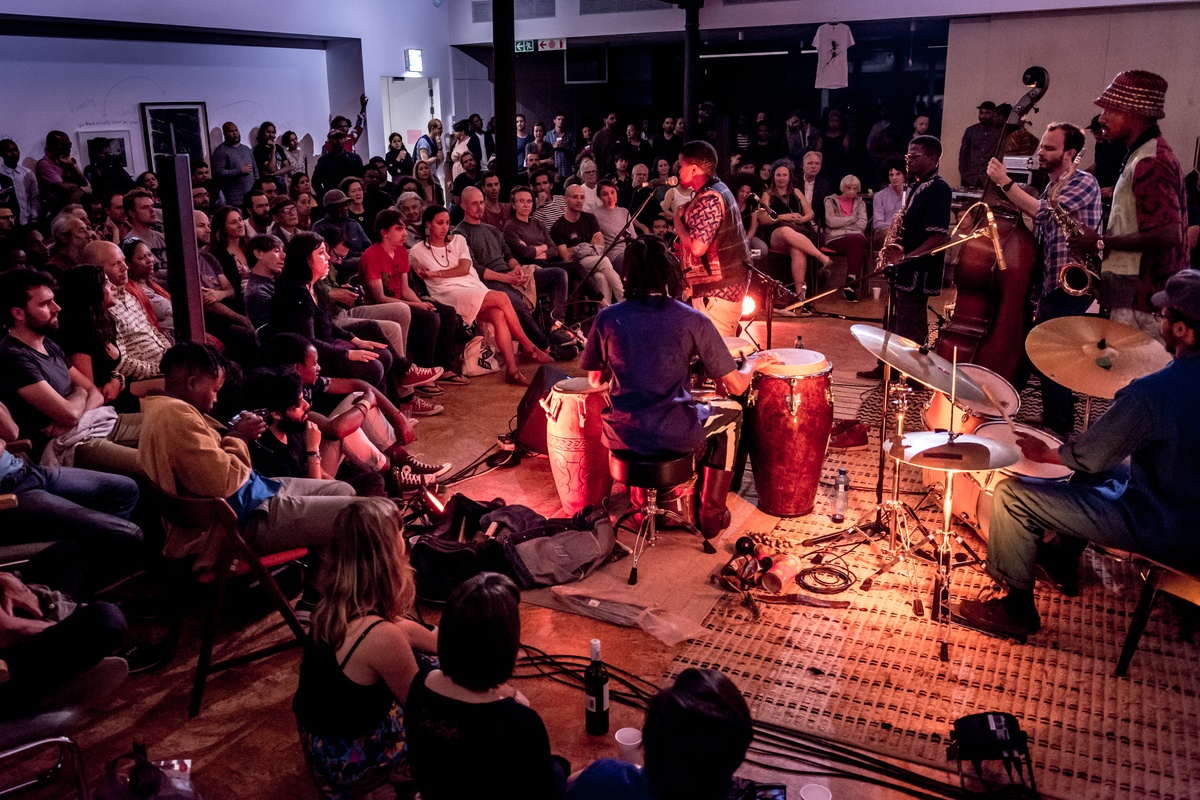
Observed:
{"x":624,"y":236}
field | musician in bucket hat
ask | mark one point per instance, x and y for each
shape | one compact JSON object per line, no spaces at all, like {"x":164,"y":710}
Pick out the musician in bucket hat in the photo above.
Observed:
{"x":1145,"y":240}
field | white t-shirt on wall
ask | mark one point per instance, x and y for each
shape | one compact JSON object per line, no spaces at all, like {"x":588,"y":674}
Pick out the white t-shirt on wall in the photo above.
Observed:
{"x":832,"y":43}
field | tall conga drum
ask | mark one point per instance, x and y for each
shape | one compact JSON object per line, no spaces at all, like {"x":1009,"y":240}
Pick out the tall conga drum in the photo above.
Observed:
{"x":790,"y":416}
{"x":574,"y":439}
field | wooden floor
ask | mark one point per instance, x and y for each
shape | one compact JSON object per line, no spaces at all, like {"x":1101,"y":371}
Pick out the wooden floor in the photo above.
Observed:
{"x":244,"y":743}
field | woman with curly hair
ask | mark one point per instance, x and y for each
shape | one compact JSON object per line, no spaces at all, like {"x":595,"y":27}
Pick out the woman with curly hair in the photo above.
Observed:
{"x":361,"y":658}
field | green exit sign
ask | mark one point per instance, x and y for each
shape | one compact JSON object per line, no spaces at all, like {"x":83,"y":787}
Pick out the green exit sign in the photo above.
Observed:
{"x":526,"y":45}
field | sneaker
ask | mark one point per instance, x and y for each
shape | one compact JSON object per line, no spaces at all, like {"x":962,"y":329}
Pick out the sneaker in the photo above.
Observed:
{"x":852,"y":438}
{"x":991,"y":616}
{"x":430,"y":390}
{"x":403,"y":460}
{"x":419,"y":376}
{"x":421,"y":407}
{"x":453,"y":379}
{"x":840,"y":425}
{"x":407,"y":479}
{"x":851,"y":295}
{"x":871,"y":374}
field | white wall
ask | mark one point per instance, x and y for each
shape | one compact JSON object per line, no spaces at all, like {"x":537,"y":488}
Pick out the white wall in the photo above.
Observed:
{"x":716,"y":14}
{"x":1082,"y":51}
{"x":73,"y":85}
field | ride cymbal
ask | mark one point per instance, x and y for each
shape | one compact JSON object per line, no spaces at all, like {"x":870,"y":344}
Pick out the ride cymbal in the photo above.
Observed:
{"x":1093,"y":355}
{"x":928,"y":368}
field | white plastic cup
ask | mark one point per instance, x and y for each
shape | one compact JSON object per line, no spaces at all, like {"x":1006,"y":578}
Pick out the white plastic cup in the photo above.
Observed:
{"x":815,"y":791}
{"x":629,"y":745}
{"x":875,"y":292}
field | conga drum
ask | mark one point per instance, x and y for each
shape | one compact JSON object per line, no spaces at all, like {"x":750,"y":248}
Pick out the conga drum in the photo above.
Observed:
{"x":790,"y":416}
{"x":574,"y":439}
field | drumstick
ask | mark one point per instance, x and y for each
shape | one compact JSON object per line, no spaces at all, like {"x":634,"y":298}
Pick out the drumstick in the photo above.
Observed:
{"x":992,"y":399}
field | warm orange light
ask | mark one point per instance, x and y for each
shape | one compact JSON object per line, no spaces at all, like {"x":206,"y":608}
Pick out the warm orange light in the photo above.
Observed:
{"x":435,"y":504}
{"x":749,"y":307}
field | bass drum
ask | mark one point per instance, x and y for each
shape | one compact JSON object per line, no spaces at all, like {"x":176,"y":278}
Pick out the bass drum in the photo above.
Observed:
{"x":973,"y":491}
{"x":790,"y":417}
{"x":940,"y":413}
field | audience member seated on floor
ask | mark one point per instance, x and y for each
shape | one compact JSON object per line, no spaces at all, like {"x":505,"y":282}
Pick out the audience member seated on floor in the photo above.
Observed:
{"x":846,"y":234}
{"x":142,"y":217}
{"x":291,"y":445}
{"x":266,"y":254}
{"x":228,"y":244}
{"x":88,"y":335}
{"x":613,"y":221}
{"x":532,"y":247}
{"x":55,"y":406}
{"x":140,"y":340}
{"x":361,"y":658}
{"x":337,"y":217}
{"x":469,"y":706}
{"x":443,"y":261}
{"x":497,"y":267}
{"x":71,"y":235}
{"x":43,"y":648}
{"x":354,"y":419}
{"x":84,"y":506}
{"x":580,"y":243}
{"x":141,"y":262}
{"x":696,"y":735}
{"x":183,"y":452}
{"x":383,"y":275}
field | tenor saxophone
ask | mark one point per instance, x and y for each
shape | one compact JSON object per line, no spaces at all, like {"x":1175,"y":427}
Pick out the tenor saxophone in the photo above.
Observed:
{"x":1080,"y":276}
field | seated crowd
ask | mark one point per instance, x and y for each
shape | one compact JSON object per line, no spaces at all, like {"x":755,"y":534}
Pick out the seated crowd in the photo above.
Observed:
{"x":337,"y":299}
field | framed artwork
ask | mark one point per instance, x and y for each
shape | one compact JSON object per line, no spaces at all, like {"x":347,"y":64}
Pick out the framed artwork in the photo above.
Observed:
{"x":93,"y":145}
{"x":175,"y":129}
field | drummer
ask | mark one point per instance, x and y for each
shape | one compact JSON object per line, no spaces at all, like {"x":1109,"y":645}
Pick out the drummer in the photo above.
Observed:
{"x":1152,"y":510}
{"x":646,"y":343}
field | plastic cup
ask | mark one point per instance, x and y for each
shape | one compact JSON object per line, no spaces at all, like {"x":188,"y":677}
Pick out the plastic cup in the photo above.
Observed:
{"x":815,"y":791}
{"x":629,"y":745}
{"x":875,"y":292}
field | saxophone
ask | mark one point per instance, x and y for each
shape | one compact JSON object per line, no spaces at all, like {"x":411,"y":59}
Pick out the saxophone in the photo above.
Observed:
{"x":1079,"y":277}
{"x":891,"y":234}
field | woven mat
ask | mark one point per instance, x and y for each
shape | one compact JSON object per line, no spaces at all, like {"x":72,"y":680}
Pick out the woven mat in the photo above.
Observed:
{"x":871,"y":676}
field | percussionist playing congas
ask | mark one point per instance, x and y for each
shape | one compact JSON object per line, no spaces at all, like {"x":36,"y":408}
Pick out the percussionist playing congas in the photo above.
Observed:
{"x":647,"y":343}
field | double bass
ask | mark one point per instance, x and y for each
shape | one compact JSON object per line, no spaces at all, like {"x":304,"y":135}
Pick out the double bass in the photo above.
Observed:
{"x":993,"y":310}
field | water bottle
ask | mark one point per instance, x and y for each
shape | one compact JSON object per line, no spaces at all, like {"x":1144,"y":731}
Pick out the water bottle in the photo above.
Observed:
{"x":841,"y":495}
{"x":799,"y":345}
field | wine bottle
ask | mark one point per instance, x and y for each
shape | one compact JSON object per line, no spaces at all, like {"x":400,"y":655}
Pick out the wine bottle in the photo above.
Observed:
{"x":595,"y":689}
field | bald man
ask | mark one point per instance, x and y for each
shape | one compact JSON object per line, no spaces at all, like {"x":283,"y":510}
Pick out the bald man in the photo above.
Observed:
{"x":139,"y":338}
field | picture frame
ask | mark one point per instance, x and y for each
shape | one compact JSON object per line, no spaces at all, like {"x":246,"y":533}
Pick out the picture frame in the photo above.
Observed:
{"x":175,"y":129}
{"x":90,"y":142}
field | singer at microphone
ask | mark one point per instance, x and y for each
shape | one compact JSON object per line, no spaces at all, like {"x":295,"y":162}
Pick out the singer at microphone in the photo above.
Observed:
{"x":925,"y":227}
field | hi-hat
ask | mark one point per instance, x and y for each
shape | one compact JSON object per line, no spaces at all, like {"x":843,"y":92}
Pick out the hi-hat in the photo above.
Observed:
{"x":965,"y":453}
{"x":1093,"y":355}
{"x":927,"y":368}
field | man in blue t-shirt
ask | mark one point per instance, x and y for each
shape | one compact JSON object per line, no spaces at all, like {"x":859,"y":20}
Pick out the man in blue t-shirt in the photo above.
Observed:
{"x":646,"y":344}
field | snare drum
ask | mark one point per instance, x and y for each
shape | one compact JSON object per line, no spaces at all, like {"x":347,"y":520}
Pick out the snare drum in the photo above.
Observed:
{"x":939,"y":413}
{"x":575,"y":443}
{"x":790,"y":416}
{"x":973,"y":490}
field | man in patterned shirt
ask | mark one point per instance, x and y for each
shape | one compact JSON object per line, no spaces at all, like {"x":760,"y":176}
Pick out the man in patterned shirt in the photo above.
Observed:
{"x":712,"y":242}
{"x":1078,"y":195}
{"x":141,"y":342}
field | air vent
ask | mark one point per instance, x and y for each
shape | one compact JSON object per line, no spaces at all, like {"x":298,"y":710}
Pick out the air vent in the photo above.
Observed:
{"x":619,"y":6}
{"x":481,"y":10}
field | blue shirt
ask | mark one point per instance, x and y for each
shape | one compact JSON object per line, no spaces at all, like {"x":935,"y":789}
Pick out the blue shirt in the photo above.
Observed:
{"x":648,"y":344}
{"x":1153,"y":422}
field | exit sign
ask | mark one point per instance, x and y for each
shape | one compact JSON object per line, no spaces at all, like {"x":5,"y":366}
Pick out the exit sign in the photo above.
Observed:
{"x":526,"y":45}
{"x":539,"y":45}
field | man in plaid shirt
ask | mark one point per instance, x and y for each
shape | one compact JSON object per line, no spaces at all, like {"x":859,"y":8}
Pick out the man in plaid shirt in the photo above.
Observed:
{"x":1078,"y":194}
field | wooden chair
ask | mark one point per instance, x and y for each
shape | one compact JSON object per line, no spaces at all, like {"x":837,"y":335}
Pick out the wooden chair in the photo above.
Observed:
{"x":234,"y":558}
{"x":1159,"y":579}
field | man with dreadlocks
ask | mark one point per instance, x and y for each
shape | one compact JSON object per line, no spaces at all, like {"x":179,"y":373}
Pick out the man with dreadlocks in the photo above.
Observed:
{"x":646,"y":343}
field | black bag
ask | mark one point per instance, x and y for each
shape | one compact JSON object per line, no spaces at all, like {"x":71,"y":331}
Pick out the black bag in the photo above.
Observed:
{"x":456,"y":550}
{"x":563,"y":344}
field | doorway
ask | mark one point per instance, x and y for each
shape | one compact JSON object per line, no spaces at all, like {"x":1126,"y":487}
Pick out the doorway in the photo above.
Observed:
{"x":408,"y":105}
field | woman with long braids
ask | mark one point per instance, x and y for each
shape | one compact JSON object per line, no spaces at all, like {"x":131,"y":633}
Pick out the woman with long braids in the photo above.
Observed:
{"x":444,"y":263}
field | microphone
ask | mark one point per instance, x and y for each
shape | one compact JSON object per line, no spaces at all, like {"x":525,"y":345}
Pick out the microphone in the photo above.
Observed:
{"x":994,"y":235}
{"x":671,"y":181}
{"x":759,"y":203}
{"x":941,"y":321}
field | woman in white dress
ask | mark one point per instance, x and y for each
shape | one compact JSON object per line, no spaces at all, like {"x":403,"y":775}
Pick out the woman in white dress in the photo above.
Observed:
{"x":444,"y":263}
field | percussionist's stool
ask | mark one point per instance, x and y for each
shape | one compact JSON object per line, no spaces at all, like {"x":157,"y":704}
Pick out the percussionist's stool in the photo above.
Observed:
{"x":653,"y":474}
{"x":1160,"y":578}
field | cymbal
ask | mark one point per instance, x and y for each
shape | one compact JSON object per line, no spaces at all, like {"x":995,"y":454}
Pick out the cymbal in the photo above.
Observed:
{"x":935,"y":450}
{"x":1093,"y":355}
{"x":927,"y":368}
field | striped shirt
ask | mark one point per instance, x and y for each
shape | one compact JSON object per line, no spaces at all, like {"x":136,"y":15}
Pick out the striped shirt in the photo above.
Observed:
{"x":1079,"y":197}
{"x":137,"y":337}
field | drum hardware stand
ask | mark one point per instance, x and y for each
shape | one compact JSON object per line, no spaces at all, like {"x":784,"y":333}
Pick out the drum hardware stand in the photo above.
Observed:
{"x":624,"y":236}
{"x":774,"y":288}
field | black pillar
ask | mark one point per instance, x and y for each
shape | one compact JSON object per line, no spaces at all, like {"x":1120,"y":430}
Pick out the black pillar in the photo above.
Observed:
{"x":691,"y":65}
{"x":179,"y":228}
{"x":504,"y":79}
